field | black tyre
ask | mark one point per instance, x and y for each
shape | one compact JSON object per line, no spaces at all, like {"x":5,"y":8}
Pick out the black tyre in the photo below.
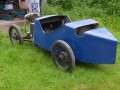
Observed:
{"x":15,"y":35}
{"x":63,"y":56}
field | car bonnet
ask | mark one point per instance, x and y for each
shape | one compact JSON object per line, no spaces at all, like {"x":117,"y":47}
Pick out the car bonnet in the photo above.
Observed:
{"x":78,"y":24}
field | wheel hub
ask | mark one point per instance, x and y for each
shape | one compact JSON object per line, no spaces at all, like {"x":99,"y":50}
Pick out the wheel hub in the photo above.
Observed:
{"x":63,"y":55}
{"x":15,"y":36}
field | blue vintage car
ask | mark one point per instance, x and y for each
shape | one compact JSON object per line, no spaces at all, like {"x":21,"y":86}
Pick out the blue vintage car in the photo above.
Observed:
{"x":69,"y":41}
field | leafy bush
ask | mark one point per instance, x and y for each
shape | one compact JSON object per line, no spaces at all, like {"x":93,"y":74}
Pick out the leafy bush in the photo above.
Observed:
{"x":109,"y":7}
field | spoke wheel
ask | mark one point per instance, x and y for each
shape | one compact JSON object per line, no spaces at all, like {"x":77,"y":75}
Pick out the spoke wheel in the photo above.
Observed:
{"x":15,"y":35}
{"x":63,"y":56}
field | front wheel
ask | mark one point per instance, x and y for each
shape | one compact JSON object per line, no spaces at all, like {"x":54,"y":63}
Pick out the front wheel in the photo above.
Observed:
{"x":63,"y":56}
{"x":15,"y":34}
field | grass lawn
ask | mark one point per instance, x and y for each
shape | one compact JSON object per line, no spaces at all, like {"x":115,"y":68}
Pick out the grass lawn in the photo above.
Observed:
{"x":28,"y":67}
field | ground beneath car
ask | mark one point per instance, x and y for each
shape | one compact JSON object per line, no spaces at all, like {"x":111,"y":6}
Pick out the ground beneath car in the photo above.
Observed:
{"x":4,"y":25}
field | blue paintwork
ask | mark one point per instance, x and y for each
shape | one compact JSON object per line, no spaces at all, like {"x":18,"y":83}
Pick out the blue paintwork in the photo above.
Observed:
{"x":97,"y":46}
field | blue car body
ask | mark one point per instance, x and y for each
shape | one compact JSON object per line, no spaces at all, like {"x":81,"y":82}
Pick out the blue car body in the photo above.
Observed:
{"x":89,"y":43}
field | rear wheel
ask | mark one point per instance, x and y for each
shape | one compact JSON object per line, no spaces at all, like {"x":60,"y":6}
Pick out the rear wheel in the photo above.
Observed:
{"x":63,"y":56}
{"x":15,"y":34}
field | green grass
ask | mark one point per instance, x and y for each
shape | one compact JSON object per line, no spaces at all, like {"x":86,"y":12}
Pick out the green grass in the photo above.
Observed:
{"x":29,"y":67}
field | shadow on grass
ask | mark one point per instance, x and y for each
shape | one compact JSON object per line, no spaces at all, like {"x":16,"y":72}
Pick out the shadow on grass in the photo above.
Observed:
{"x":37,"y":48}
{"x":86,"y":66}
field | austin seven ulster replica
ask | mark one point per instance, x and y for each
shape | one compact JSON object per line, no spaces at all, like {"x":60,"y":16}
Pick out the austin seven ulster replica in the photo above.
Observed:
{"x":69,"y":41}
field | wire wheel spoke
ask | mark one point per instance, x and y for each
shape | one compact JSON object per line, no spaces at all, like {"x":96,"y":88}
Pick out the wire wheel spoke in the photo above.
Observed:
{"x":15,"y":35}
{"x":63,"y":56}
{"x":62,"y":60}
